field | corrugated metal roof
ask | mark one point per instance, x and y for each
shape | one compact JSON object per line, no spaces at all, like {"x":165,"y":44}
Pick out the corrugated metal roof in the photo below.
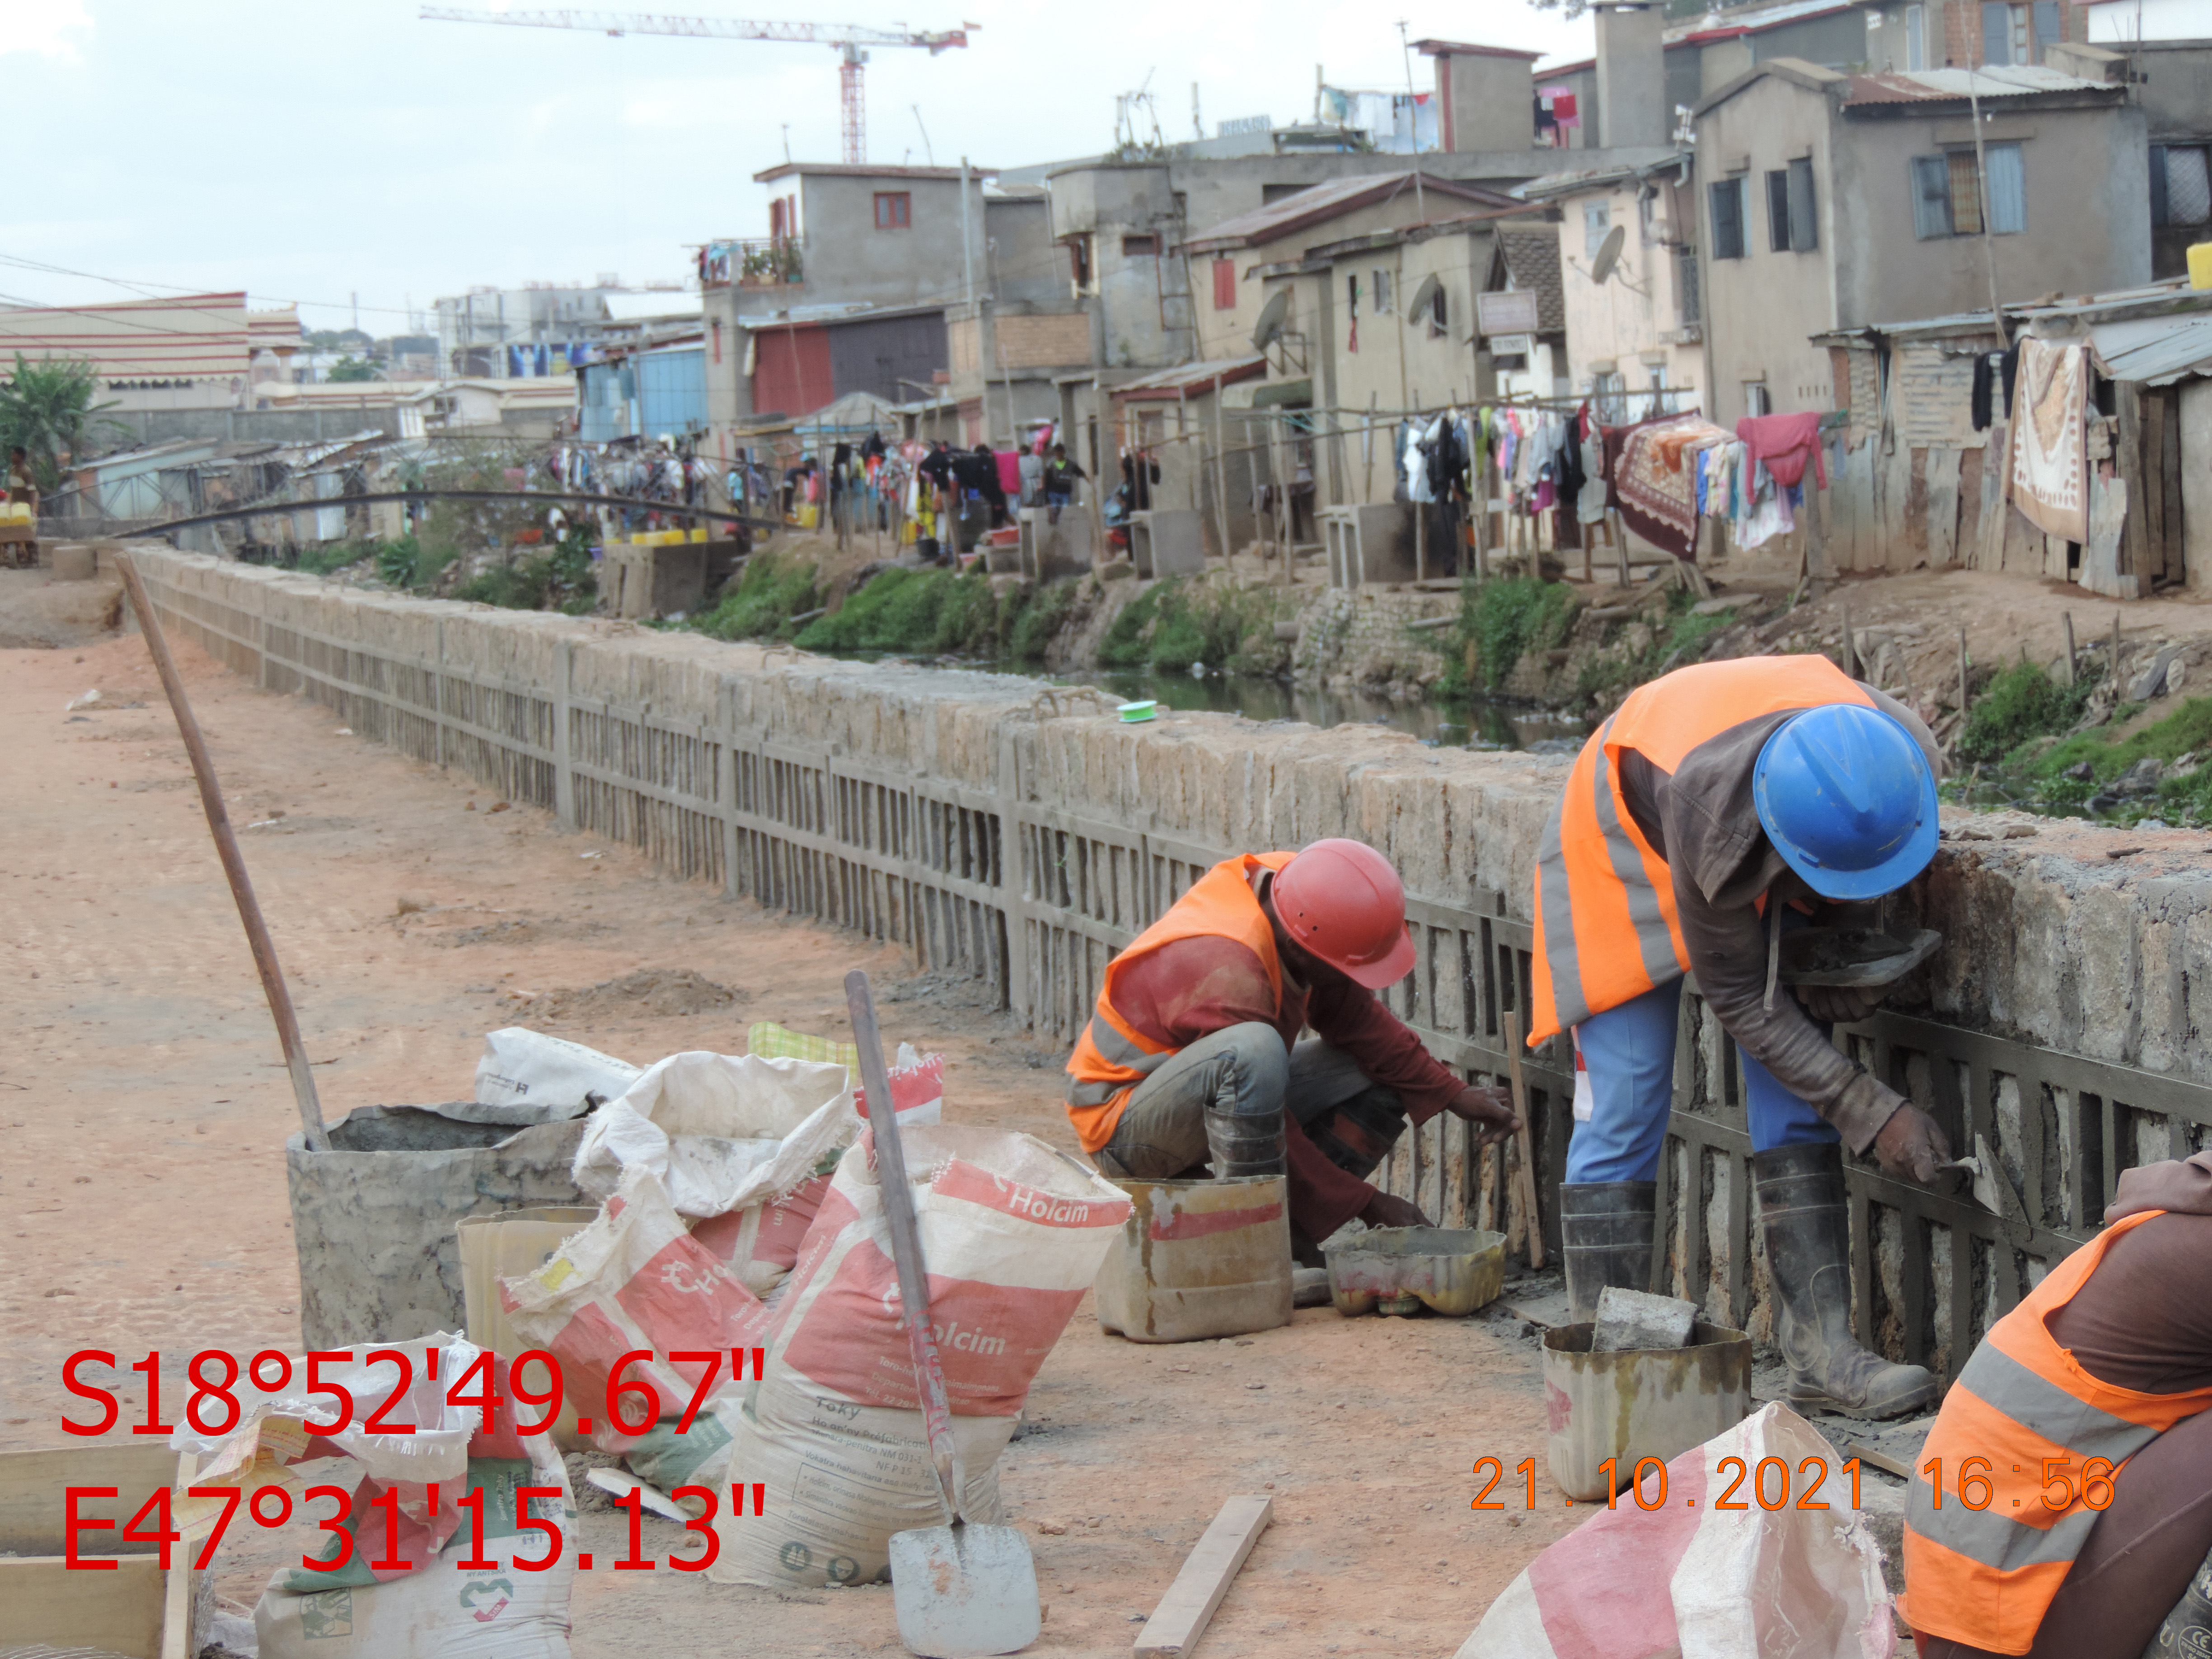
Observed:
{"x":1952,"y":85}
{"x":1327,"y":201}
{"x":2155,"y":351}
{"x":1192,"y":377}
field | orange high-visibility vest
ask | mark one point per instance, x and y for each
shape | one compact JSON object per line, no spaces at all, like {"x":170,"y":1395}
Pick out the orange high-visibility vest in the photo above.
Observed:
{"x":1110,"y":1058}
{"x":1984,"y":1575}
{"x":1606,"y":929}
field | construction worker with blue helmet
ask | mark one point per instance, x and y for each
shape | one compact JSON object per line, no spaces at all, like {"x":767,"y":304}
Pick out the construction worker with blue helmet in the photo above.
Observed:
{"x":1720,"y":806}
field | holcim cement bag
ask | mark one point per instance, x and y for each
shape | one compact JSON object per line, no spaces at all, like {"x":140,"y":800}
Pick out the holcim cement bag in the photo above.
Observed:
{"x":1012,"y":1234}
{"x":760,"y":1243}
{"x":721,"y":1132}
{"x":1688,"y":1579}
{"x":635,"y":1279}
{"x":442,"y":1611}
{"x":521,"y":1066}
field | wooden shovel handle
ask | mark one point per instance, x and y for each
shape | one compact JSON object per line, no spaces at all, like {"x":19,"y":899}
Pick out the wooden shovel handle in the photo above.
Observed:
{"x":233,"y":862}
{"x":906,"y":1239}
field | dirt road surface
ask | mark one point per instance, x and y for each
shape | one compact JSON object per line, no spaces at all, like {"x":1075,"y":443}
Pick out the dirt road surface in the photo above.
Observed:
{"x":144,"y":1111}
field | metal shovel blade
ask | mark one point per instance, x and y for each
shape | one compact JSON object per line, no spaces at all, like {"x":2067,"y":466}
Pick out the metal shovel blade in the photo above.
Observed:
{"x":964,"y":1591}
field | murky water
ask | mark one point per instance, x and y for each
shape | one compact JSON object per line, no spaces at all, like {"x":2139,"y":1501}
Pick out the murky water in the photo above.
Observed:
{"x":1477,"y":724}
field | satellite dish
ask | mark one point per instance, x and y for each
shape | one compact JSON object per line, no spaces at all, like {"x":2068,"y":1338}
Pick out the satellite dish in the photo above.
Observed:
{"x":1424,"y":297}
{"x":1269,"y":328}
{"x":1608,"y":254}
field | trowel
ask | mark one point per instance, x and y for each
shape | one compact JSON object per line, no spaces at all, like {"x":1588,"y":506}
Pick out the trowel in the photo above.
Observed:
{"x":962,"y":1588}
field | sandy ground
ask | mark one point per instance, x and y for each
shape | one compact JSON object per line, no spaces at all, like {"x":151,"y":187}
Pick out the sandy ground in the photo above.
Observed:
{"x":144,"y":1110}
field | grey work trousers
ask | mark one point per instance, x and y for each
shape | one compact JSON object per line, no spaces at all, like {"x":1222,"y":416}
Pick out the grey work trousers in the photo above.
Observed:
{"x":1244,"y":1069}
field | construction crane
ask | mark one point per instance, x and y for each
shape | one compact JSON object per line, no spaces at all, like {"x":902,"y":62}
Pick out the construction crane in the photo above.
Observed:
{"x":847,"y":37}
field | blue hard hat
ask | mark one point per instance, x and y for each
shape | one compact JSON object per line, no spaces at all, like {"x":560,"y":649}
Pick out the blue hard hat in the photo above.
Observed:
{"x":1847,"y":799}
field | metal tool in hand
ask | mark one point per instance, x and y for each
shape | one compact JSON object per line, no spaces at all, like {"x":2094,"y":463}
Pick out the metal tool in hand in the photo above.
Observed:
{"x":960,"y":1589}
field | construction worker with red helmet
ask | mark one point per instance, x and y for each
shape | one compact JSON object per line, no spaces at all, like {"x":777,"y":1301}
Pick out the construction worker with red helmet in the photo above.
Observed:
{"x":1720,"y":806}
{"x":1192,"y":1059}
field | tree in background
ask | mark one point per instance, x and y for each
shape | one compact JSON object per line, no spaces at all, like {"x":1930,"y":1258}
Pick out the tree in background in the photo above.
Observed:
{"x":48,"y":408}
{"x":350,"y":368}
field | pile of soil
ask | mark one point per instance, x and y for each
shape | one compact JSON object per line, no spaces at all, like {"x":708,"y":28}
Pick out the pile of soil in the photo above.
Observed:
{"x":661,"y":993}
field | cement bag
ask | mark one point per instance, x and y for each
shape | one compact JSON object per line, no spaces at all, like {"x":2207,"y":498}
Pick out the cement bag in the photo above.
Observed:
{"x":720,"y":1131}
{"x":443,"y":1612}
{"x":522,"y":1066}
{"x":760,"y":1243}
{"x":635,"y":1279}
{"x":1688,"y":1581}
{"x":1013,"y":1233}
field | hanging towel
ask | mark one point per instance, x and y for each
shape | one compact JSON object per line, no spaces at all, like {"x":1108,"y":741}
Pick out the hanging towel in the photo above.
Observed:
{"x":1785,"y":443}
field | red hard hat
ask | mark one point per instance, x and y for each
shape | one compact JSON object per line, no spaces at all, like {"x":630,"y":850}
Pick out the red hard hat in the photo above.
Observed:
{"x":1341,"y":901}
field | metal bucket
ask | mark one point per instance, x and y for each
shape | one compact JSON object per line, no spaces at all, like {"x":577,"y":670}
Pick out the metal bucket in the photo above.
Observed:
{"x":374,"y":1217}
{"x":1449,"y":1270}
{"x":1637,"y":1403}
{"x":1199,"y":1259}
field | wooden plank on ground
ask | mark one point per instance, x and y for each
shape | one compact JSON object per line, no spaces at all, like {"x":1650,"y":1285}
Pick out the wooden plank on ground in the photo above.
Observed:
{"x":1942,"y":477}
{"x":1183,"y":1612}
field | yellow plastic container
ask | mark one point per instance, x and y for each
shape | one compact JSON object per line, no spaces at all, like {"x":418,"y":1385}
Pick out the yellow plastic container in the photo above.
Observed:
{"x":2200,"y":265}
{"x":699,"y":535}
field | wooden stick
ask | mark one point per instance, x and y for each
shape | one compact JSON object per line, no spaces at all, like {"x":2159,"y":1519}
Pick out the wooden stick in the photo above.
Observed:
{"x":2115,"y":653}
{"x":233,"y":863}
{"x":1962,"y":677}
{"x":1849,"y":664}
{"x":1184,"y":1611}
{"x":1524,"y":1139}
{"x":2066,"y":618}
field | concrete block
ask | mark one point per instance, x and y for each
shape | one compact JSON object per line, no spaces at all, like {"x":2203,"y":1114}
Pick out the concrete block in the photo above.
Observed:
{"x":74,"y":562}
{"x":1166,"y":542}
{"x":1632,"y":1321}
{"x":1368,"y":544}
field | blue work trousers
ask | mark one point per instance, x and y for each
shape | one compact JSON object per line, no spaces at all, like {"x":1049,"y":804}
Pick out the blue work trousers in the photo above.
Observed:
{"x":1629,"y":1054}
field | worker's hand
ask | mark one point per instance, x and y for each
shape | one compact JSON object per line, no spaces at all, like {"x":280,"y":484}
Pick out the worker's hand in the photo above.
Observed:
{"x":1489,"y":1110}
{"x":1383,"y":1209}
{"x":1910,"y":1146}
{"x":1841,"y":1004}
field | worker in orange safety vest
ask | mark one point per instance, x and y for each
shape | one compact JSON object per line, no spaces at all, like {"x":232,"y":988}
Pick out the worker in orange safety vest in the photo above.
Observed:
{"x":1192,"y":1057}
{"x":1716,"y":807}
{"x":2061,"y":1505}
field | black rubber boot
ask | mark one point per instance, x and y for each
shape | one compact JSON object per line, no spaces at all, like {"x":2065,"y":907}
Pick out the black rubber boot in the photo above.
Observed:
{"x":1243,"y":1143}
{"x":1605,"y":1236}
{"x":1801,"y":1206}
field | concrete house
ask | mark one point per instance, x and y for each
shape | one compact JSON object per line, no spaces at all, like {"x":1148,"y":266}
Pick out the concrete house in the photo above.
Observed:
{"x":1834,"y":200}
{"x":1640,"y":333}
{"x":1008,"y":351}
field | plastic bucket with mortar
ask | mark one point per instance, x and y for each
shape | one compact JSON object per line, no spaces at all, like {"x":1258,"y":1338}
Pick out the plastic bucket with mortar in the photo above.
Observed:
{"x":374,"y":1217}
{"x":1199,"y":1259}
{"x":1637,"y":1403}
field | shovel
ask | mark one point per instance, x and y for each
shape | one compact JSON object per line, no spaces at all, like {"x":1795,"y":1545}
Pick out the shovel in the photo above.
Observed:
{"x":959,"y":1589}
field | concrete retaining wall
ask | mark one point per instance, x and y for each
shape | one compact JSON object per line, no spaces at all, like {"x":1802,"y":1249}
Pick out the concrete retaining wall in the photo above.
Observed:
{"x":1021,"y":833}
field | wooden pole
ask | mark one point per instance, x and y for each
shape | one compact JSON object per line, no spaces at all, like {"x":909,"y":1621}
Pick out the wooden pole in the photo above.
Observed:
{"x":2066,"y":619}
{"x":233,"y":862}
{"x":1368,"y":495}
{"x":1524,"y":1139}
{"x":1221,"y":475}
{"x":2116,"y":652}
{"x":1962,"y":676}
{"x":1849,"y":664}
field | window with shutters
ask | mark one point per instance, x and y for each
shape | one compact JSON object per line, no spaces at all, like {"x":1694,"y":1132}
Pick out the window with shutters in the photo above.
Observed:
{"x":1437,"y":327}
{"x":1224,"y":284}
{"x":2180,"y":185}
{"x":2009,"y":32}
{"x":1727,"y":198}
{"x":1946,"y":193}
{"x":1079,"y":265}
{"x":1804,"y":220}
{"x":1778,"y":212}
{"x":1597,"y":218}
{"x":1139,"y":247}
{"x":1687,"y":309}
{"x":894,"y":211}
{"x":1916,"y":38}
{"x":1382,"y":292}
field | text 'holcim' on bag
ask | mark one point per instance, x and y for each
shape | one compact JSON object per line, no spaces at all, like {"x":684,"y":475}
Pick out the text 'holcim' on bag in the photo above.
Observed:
{"x":1013,"y":1233}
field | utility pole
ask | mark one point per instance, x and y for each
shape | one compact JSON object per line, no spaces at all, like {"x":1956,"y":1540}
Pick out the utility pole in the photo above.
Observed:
{"x":1982,"y":188}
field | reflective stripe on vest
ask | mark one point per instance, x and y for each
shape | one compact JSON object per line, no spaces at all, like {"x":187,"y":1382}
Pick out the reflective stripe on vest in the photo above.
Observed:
{"x":1985,"y":1577}
{"x":1606,"y":928}
{"x":1110,"y":1059}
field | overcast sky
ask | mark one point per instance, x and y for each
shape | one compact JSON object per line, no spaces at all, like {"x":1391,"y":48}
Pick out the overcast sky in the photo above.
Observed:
{"x":312,"y":151}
